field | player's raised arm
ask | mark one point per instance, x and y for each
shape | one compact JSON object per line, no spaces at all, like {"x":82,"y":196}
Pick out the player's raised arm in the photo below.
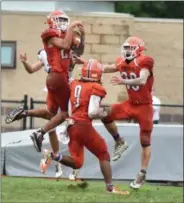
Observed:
{"x":79,"y":41}
{"x":109,"y":68}
{"x":67,"y":41}
{"x":30,"y":68}
{"x":78,"y":60}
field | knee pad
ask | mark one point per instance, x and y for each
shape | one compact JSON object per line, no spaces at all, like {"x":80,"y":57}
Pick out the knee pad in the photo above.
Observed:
{"x":145,"y":138}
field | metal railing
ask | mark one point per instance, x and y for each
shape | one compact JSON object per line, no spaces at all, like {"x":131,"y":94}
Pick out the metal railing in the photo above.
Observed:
{"x":32,"y":103}
{"x":23,"y":102}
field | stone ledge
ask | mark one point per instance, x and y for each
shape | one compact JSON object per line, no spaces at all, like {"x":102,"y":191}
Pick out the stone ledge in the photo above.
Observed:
{"x":158,"y":20}
{"x":98,"y":14}
{"x":91,"y":14}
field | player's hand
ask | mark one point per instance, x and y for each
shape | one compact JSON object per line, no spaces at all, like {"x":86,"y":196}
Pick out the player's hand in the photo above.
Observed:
{"x":23,"y":57}
{"x":81,"y":30}
{"x":78,"y":60}
{"x":116,"y":80}
{"x":76,"y":24}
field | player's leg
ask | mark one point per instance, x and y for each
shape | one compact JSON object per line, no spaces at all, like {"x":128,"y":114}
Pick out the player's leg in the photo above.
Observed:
{"x":61,"y":98}
{"x":19,"y":113}
{"x":38,"y":136}
{"x":76,"y":149}
{"x":55,"y":147}
{"x":58,"y":93}
{"x":54,"y":142}
{"x":117,"y":112}
{"x":96,"y":145}
{"x":145,"y":115}
{"x":55,"y":150}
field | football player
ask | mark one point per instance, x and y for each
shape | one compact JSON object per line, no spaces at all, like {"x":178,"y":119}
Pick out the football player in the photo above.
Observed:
{"x":58,"y":40}
{"x":84,"y":106}
{"x":136,"y":73}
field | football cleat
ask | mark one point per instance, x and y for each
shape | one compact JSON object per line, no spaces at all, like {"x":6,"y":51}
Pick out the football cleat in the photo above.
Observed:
{"x":115,"y":190}
{"x":37,"y":138}
{"x":14,"y":115}
{"x":73,"y":175}
{"x":119,"y":148}
{"x":139,"y":181}
{"x":46,"y":160}
{"x":59,"y":171}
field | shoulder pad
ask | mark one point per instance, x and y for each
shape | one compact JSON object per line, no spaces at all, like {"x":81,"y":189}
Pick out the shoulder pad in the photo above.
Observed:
{"x":50,"y":33}
{"x":119,"y":61}
{"x":98,"y":90}
{"x":146,"y":62}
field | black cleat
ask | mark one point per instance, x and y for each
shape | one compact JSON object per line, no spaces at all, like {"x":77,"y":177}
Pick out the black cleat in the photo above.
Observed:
{"x":37,"y":138}
{"x":14,"y":115}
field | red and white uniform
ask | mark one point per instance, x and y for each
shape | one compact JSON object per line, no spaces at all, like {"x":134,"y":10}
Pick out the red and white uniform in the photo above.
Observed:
{"x":137,"y":94}
{"x":85,"y":98}
{"x":58,"y":59}
{"x":57,"y":79}
{"x":139,"y":105}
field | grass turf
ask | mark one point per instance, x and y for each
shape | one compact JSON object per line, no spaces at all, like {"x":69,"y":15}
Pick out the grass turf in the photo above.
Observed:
{"x":15,"y":189}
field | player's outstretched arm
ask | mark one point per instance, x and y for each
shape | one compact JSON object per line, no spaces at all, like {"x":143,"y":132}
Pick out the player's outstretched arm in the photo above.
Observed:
{"x":67,"y":41}
{"x":109,"y":68}
{"x":77,"y":59}
{"x":141,"y":80}
{"x":30,"y":68}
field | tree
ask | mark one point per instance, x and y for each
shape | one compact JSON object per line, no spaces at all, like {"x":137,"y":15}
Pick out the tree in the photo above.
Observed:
{"x":156,"y":9}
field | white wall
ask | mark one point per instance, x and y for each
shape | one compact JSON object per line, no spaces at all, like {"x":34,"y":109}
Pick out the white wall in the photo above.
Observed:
{"x":47,"y":6}
{"x":28,"y":6}
{"x":100,"y":6}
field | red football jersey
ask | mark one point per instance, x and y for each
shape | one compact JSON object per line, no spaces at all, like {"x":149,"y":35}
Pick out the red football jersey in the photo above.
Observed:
{"x":137,"y":94}
{"x":80,"y":95}
{"x":58,"y":59}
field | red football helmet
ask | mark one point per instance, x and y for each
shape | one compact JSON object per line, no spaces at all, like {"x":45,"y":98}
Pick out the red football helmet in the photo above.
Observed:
{"x":132,"y":48}
{"x":92,"y":71}
{"x":58,"y":20}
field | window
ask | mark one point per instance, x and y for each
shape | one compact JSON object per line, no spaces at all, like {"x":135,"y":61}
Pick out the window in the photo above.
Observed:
{"x":8,"y":54}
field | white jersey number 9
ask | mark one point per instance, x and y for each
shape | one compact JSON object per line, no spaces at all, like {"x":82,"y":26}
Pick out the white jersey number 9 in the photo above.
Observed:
{"x":77,"y":93}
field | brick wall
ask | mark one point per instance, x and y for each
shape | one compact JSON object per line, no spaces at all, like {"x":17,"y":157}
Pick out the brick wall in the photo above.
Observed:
{"x":104,"y":35}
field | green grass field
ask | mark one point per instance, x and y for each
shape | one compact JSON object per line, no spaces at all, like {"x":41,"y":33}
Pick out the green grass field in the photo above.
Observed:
{"x":15,"y":189}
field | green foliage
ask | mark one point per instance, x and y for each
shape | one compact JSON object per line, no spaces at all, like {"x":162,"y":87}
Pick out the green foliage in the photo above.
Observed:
{"x":156,"y":9}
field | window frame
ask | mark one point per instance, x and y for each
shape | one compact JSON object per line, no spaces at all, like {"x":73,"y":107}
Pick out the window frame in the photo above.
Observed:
{"x":13,"y":45}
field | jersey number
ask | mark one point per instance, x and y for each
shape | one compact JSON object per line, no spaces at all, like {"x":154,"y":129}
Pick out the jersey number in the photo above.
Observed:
{"x":130,"y":76}
{"x":77,"y":93}
{"x":64,"y":54}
